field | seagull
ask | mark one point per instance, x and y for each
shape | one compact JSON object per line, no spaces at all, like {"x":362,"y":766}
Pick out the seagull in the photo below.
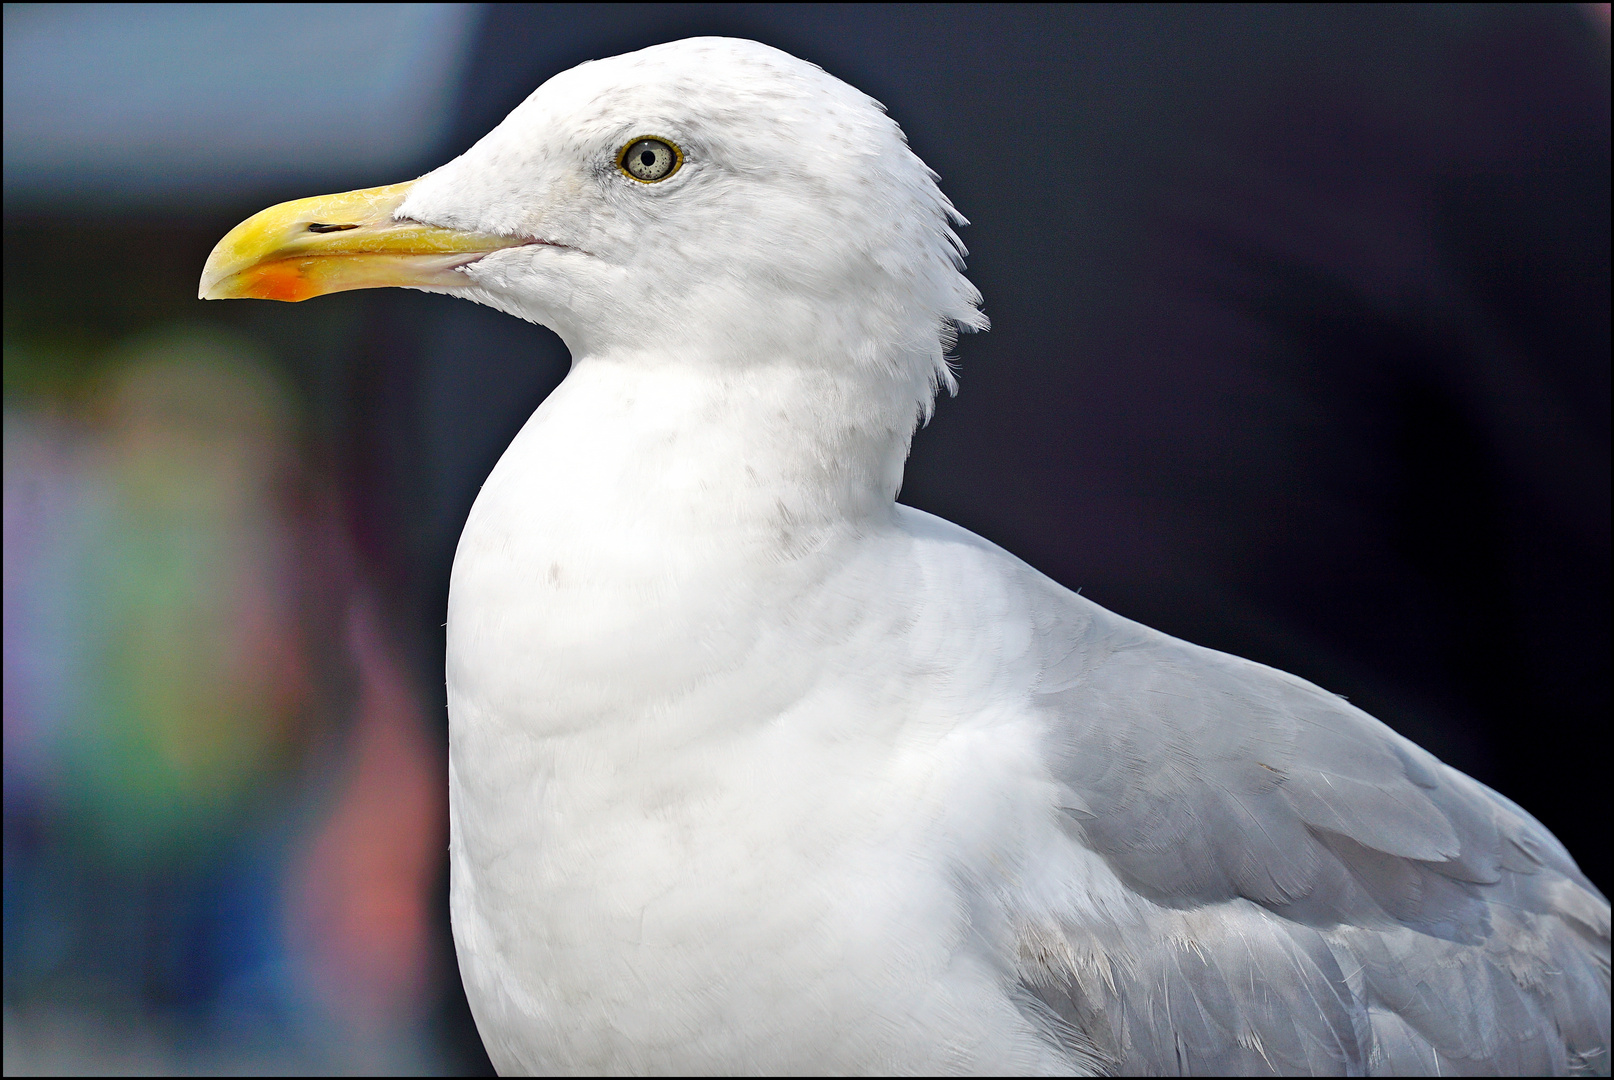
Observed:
{"x":755,"y":770}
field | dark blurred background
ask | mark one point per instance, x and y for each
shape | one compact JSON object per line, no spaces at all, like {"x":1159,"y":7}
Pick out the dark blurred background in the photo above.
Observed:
{"x":1300,"y":350}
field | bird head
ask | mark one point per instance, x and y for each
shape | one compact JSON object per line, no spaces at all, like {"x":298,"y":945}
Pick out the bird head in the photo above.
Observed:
{"x":710,"y":196}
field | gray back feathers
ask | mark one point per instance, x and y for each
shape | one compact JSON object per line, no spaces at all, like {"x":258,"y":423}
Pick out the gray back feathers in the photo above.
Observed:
{"x":1329,"y":897}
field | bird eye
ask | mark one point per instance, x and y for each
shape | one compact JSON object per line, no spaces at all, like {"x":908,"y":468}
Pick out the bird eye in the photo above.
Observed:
{"x":650,"y":160}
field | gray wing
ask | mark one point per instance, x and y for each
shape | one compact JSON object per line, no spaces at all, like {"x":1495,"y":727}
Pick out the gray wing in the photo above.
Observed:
{"x":1330,"y":897}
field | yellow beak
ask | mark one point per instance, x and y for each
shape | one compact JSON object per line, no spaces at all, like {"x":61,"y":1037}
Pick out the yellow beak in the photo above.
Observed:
{"x":333,"y":243}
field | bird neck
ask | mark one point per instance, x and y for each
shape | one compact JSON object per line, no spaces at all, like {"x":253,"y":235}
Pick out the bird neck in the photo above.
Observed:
{"x":639,"y":524}
{"x":742,"y":447}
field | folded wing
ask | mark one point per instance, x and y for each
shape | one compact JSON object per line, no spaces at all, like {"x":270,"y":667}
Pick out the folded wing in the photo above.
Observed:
{"x":1323,"y":895}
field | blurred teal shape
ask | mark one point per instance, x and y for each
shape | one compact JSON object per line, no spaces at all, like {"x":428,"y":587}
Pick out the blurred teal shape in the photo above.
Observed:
{"x":224,"y":797}
{"x":166,"y":584}
{"x":180,"y":105}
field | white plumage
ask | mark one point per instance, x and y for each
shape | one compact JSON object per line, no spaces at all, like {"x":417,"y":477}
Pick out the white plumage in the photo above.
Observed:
{"x":754,"y":770}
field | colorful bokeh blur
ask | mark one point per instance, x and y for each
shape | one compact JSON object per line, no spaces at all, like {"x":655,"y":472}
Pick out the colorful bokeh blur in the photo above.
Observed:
{"x":224,"y":778}
{"x":223,"y":804}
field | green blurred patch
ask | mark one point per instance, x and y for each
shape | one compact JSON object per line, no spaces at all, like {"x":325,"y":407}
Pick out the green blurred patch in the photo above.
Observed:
{"x":186,"y":674}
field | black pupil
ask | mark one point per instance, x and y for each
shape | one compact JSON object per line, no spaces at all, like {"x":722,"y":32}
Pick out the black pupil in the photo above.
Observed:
{"x":647,"y":159}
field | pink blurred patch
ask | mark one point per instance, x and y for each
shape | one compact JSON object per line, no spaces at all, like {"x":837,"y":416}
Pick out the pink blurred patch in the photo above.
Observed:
{"x":360,"y":903}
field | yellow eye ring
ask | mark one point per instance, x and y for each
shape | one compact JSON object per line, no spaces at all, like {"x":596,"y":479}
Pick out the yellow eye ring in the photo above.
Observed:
{"x":649,"y":159}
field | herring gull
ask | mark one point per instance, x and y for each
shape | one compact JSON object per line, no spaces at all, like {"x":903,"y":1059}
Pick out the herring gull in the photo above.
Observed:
{"x":753,"y":769}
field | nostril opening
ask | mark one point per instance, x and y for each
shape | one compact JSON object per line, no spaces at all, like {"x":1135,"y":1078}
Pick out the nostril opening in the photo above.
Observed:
{"x":316,"y":227}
